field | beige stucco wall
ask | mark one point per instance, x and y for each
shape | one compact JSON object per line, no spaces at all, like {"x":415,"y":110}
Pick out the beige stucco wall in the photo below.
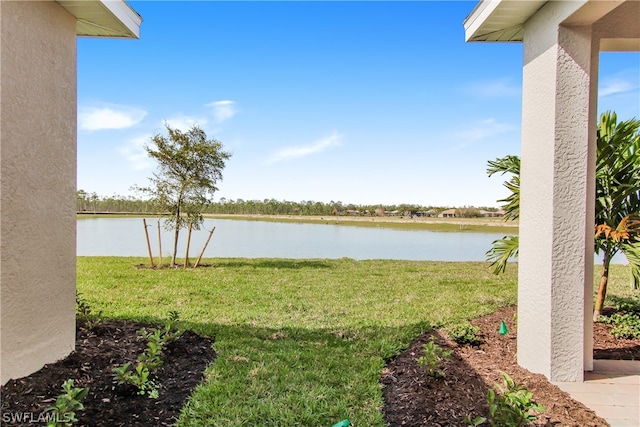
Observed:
{"x":556,"y":223}
{"x":620,"y":29}
{"x":555,"y":283}
{"x":38,"y":183}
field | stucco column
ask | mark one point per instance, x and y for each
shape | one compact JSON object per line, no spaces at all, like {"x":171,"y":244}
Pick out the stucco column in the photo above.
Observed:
{"x":38,"y":184}
{"x":555,"y":282}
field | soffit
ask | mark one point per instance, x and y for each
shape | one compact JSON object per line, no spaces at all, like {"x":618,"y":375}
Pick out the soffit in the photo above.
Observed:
{"x":104,"y":18}
{"x":500,"y":20}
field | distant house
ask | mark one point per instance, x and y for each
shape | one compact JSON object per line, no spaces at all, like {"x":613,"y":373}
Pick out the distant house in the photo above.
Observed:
{"x":492,"y":214}
{"x":449,"y":213}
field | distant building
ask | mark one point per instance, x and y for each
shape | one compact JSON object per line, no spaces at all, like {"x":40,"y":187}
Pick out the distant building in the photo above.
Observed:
{"x":492,"y":214}
{"x":449,"y":213}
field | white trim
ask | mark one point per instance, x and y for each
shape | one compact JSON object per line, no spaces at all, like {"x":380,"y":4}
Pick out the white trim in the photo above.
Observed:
{"x":125,"y":14}
{"x":500,"y":20}
{"x":103,"y":18}
{"x":478,"y":16}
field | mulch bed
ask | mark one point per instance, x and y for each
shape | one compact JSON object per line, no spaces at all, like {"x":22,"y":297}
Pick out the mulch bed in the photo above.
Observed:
{"x":412,"y":398}
{"x":111,"y":344}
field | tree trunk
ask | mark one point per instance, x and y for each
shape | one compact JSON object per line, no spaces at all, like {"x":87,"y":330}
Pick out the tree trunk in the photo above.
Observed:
{"x":146,"y":233}
{"x":176,"y":233}
{"x":159,"y":246}
{"x":175,"y":246}
{"x":602,"y":289}
{"x":186,"y":255}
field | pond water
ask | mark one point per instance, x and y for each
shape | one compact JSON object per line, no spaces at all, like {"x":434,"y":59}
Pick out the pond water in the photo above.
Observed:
{"x":260,"y":239}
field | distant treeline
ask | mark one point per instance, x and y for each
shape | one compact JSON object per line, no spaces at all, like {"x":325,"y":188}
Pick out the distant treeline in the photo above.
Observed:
{"x":93,"y":203}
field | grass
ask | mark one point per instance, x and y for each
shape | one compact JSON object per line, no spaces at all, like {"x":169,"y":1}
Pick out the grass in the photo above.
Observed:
{"x":299,"y":342}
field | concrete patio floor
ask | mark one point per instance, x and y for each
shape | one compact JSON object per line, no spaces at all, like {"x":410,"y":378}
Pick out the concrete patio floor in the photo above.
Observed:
{"x":612,"y":391}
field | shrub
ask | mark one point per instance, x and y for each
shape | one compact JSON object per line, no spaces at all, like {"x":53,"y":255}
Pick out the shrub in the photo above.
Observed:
{"x":150,"y":360}
{"x":625,"y":325}
{"x":85,"y":312}
{"x":465,"y":334}
{"x":139,"y":378}
{"x":433,"y":354}
{"x":626,"y":321}
{"x":513,"y":407}
{"x":66,"y":405}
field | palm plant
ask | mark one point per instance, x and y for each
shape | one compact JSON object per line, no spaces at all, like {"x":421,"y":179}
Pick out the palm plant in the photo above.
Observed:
{"x":617,"y":200}
{"x":506,"y":248}
{"x":617,"y":197}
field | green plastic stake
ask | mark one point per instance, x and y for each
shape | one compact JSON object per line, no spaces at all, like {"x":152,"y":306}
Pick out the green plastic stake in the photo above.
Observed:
{"x":343,"y":423}
{"x":503,"y":328}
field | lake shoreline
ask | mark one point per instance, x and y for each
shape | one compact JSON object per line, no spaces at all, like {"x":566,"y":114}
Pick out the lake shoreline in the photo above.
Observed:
{"x":490,"y":225}
{"x":477,"y":225}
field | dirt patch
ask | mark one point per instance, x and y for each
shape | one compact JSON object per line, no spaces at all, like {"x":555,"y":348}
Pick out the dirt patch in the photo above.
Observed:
{"x":111,"y":344}
{"x":414,"y":399}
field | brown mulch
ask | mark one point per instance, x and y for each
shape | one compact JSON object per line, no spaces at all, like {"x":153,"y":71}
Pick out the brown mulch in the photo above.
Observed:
{"x":111,"y":344}
{"x":412,"y":398}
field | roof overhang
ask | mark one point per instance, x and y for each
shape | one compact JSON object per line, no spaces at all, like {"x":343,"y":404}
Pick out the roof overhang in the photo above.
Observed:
{"x":504,"y":21}
{"x":104,"y":18}
{"x":500,"y":20}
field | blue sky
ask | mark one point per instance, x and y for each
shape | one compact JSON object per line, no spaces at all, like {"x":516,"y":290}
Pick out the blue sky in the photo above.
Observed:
{"x":358,"y":102}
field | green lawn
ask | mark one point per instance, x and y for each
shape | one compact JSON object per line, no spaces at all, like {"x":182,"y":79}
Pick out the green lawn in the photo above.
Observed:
{"x":299,"y":342}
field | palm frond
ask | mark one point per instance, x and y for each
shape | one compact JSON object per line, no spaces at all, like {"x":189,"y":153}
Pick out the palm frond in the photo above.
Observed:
{"x":508,"y":164}
{"x":502,"y":251}
{"x":632,"y":252}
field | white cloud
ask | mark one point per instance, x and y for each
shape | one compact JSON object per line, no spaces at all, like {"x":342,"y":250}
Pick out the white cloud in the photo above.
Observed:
{"x":112,"y":117}
{"x":295,"y":152}
{"x":135,"y":153}
{"x":502,"y":88}
{"x":184,"y":123}
{"x":612,"y":86}
{"x":223,"y":110}
{"x":480,"y":131}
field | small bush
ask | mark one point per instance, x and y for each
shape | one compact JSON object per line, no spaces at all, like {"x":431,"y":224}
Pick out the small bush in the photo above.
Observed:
{"x":66,"y":405}
{"x":625,"y":325}
{"x":138,"y":377}
{"x":465,"y":334}
{"x":433,"y":354}
{"x":513,"y":407}
{"x":626,"y":305}
{"x":150,"y":360}
{"x":85,"y":312}
{"x":626,"y":321}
